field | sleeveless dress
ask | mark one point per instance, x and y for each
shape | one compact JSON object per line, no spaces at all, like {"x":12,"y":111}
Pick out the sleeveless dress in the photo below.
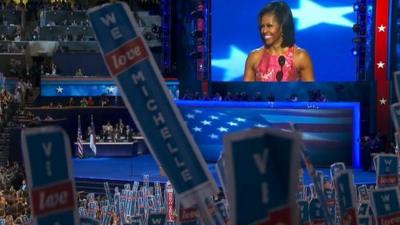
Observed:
{"x":268,"y":67}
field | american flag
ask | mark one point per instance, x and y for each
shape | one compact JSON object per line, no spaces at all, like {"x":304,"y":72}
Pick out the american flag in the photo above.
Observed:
{"x":325,"y":131}
{"x":79,"y":138}
{"x":92,"y":136}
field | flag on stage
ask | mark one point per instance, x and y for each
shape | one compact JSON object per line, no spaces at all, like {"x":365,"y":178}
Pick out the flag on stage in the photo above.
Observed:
{"x":79,"y":138}
{"x":92,"y":137}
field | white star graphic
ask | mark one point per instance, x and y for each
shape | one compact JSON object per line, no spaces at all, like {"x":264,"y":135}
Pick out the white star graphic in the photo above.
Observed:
{"x":381,"y":28}
{"x":311,"y":14}
{"x":233,"y":65}
{"x":260,"y":125}
{"x":380,"y":65}
{"x":240,"y":119}
{"x":190,"y":116}
{"x":111,"y":90}
{"x":214,"y":117}
{"x":233,"y":124}
{"x":197,"y":111}
{"x":213,"y":136}
{"x":206,"y":122}
{"x":223,"y":129}
{"x":59,"y":90}
{"x":197,"y":129}
{"x":383,"y":101}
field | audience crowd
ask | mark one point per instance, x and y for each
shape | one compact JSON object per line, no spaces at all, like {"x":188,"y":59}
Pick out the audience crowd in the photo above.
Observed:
{"x":120,"y":132}
{"x":313,"y":96}
{"x":14,"y":199}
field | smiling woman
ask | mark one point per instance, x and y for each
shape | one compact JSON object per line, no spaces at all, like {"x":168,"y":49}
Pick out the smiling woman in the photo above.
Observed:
{"x":322,"y":27}
{"x":279,"y":59}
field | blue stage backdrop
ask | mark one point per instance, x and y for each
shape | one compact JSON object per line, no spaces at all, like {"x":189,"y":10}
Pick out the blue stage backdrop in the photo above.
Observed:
{"x":330,"y":130}
{"x":323,"y":28}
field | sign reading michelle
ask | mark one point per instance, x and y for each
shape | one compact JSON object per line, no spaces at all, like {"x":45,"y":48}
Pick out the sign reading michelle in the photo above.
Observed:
{"x":144,"y":92}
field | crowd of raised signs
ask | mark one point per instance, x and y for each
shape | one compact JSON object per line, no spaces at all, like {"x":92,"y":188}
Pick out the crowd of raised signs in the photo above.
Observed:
{"x":146,"y":202}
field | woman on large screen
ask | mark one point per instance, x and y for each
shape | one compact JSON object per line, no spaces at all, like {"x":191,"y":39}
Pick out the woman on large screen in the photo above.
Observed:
{"x":279,"y":59}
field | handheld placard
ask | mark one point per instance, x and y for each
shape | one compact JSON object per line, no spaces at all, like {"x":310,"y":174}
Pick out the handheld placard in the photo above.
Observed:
{"x":386,"y":205}
{"x":386,"y":170}
{"x":47,"y":159}
{"x":257,"y":193}
{"x":145,"y":94}
{"x":346,"y":197}
{"x":316,"y":180}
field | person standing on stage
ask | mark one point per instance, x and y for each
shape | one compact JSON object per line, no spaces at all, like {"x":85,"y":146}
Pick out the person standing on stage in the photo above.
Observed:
{"x":279,"y":59}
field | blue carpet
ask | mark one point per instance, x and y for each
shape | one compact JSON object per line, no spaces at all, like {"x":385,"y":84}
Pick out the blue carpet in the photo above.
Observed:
{"x":133,"y":169}
{"x":122,"y":169}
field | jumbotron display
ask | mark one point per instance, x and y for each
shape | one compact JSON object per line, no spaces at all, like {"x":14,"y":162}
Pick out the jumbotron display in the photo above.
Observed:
{"x":323,"y":28}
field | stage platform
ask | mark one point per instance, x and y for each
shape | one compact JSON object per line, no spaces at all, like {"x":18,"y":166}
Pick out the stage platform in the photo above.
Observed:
{"x":330,"y":130}
{"x":129,"y":169}
{"x":114,"y":149}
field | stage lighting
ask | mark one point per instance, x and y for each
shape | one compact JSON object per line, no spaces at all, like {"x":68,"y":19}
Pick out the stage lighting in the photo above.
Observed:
{"x":356,"y":6}
{"x":354,"y":51}
{"x":358,"y":50}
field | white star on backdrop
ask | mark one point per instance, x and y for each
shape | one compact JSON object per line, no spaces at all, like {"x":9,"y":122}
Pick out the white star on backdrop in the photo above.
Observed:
{"x":380,"y":65}
{"x":190,"y":116}
{"x":213,"y":136}
{"x":214,"y":117}
{"x":381,"y":28}
{"x":311,"y":14}
{"x":223,"y":129}
{"x":383,"y":101}
{"x":197,"y":129}
{"x":260,"y":125}
{"x":111,"y":89}
{"x":206,"y":122}
{"x":197,"y":111}
{"x":240,"y":119}
{"x":234,"y":65}
{"x":59,"y":90}
{"x":233,"y":124}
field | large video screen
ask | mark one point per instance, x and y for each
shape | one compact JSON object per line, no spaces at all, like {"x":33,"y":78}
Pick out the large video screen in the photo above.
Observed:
{"x":330,"y":133}
{"x":322,"y":27}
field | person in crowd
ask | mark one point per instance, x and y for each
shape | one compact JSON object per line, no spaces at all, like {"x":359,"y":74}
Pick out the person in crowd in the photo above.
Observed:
{"x":53,"y":69}
{"x":120,"y":126}
{"x":83,"y":102}
{"x":90,"y":101}
{"x":279,"y":59}
{"x":128,"y":133}
{"x":104,"y":101}
{"x":79,"y":73}
{"x":71,"y":102}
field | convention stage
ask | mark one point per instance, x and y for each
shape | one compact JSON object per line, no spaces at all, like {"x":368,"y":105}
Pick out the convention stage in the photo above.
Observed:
{"x":114,"y":149}
{"x":330,"y":130}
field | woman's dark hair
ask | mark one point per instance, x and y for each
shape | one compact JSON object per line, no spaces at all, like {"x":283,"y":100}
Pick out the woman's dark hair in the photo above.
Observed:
{"x":283,"y":14}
